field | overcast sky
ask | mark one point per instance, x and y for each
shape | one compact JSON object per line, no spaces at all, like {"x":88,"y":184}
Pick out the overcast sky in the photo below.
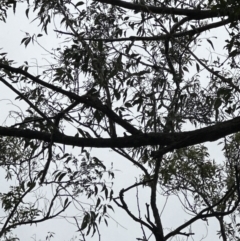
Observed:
{"x":11,"y":34}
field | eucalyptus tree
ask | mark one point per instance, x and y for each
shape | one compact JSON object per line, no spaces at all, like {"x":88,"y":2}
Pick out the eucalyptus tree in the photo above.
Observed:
{"x":142,"y":78}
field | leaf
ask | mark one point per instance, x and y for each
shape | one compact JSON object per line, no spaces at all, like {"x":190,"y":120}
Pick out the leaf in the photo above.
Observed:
{"x":109,"y":206}
{"x":31,"y":184}
{"x":98,"y":202}
{"x":233,"y":53}
{"x":27,"y":12}
{"x":96,"y":190}
{"x":24,"y":39}
{"x":79,"y":4}
{"x":85,"y":221}
{"x":61,"y":176}
{"x":197,"y":67}
{"x":127,"y":104}
{"x":105,"y":220}
{"x":106,"y":193}
{"x":65,"y":155}
{"x":14,"y":6}
{"x":211,"y":43}
{"x":27,"y":41}
{"x":65,"y":202}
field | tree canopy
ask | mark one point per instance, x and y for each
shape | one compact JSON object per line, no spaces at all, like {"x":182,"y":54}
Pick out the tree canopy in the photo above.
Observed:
{"x":152,"y":80}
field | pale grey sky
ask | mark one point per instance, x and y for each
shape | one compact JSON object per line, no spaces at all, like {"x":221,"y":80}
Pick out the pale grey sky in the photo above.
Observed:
{"x":11,"y":34}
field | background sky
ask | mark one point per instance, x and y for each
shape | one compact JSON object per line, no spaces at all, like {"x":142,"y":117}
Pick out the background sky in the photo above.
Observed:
{"x":124,"y":228}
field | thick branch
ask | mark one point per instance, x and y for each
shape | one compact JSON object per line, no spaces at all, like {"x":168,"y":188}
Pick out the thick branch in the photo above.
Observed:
{"x":158,"y":231}
{"x":197,"y":14}
{"x":171,"y":140}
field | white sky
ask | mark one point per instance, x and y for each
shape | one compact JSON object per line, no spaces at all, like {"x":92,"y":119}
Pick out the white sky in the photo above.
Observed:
{"x":11,"y":34}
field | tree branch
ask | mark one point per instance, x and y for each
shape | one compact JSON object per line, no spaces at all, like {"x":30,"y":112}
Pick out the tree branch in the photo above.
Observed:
{"x":170,"y":140}
{"x":27,"y":101}
{"x":85,"y":99}
{"x":158,"y":230}
{"x":165,"y":36}
{"x":125,"y":207}
{"x":196,"y":14}
{"x":201,"y":215}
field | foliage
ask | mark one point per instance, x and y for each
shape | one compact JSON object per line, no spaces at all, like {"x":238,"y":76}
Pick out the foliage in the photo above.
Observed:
{"x":131,"y":76}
